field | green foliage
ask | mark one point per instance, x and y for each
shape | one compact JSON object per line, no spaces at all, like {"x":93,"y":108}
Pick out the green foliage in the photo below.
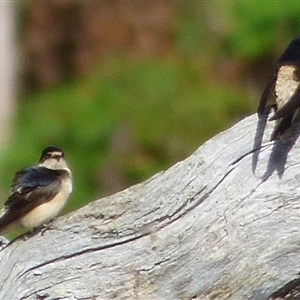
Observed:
{"x":133,"y":118}
{"x":168,"y":107}
{"x":253,"y":28}
{"x":245,"y":30}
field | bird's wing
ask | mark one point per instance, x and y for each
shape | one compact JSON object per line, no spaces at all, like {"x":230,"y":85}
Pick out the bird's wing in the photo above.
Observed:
{"x":265,"y":95}
{"x":290,"y":107}
{"x":32,"y":187}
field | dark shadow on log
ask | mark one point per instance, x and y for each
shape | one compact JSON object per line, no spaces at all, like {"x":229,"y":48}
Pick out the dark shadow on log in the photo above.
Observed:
{"x":290,"y":291}
{"x":280,"y":152}
{"x":259,"y":134}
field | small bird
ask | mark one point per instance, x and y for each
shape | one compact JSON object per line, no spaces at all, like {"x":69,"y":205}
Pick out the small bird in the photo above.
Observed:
{"x":285,"y":84}
{"x":38,"y":193}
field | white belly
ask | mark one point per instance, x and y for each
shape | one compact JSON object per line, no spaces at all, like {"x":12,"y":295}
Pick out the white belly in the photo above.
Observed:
{"x":49,"y":210}
{"x":285,"y":85}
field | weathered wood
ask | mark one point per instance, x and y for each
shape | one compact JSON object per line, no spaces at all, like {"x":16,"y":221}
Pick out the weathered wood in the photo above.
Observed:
{"x":222,"y":224}
{"x":8,"y":65}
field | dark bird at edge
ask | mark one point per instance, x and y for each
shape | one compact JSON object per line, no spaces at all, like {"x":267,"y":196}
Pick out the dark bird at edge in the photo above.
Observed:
{"x":285,"y":85}
{"x":38,"y":193}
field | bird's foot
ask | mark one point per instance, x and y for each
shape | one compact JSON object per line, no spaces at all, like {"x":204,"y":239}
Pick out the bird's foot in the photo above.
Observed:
{"x":46,"y":226}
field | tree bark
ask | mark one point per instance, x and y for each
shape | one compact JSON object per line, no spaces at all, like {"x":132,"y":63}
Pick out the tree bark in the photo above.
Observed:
{"x":8,"y":69}
{"x":222,"y":224}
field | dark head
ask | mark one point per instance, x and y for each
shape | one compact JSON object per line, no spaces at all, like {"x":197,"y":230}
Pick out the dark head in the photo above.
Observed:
{"x":291,"y":54}
{"x":53,"y":158}
{"x":51,"y":152}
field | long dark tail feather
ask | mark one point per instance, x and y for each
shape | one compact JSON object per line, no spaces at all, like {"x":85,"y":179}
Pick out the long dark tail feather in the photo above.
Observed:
{"x":283,"y":125}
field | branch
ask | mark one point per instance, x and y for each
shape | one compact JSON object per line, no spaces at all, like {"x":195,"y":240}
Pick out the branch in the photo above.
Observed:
{"x":222,"y":224}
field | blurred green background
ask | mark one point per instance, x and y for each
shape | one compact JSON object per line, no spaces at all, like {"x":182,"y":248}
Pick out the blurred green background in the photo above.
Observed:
{"x":128,"y":88}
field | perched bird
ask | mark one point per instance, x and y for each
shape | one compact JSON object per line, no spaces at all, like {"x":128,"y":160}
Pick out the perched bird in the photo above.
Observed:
{"x":285,"y":84}
{"x":38,"y":193}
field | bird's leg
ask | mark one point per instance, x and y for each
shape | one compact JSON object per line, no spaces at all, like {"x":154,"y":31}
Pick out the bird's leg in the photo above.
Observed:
{"x":47,"y":226}
{"x":3,"y":242}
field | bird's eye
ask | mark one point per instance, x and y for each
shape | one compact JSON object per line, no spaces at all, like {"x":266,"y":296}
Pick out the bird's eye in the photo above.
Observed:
{"x":48,"y":155}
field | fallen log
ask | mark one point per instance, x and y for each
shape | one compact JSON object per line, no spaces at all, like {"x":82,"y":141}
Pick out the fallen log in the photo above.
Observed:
{"x":222,"y":224}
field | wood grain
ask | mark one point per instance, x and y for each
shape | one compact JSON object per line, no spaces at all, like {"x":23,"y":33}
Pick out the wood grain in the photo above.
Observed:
{"x":222,"y":224}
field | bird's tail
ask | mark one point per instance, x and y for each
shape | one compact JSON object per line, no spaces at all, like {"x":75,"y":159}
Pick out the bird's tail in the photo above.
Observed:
{"x":6,"y":221}
{"x":283,"y":125}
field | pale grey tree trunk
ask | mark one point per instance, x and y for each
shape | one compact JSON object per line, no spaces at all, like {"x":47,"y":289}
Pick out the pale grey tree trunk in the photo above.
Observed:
{"x":222,"y":224}
{"x":8,"y":68}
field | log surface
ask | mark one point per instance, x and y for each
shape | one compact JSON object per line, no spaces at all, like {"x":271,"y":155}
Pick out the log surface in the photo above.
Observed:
{"x":222,"y":224}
